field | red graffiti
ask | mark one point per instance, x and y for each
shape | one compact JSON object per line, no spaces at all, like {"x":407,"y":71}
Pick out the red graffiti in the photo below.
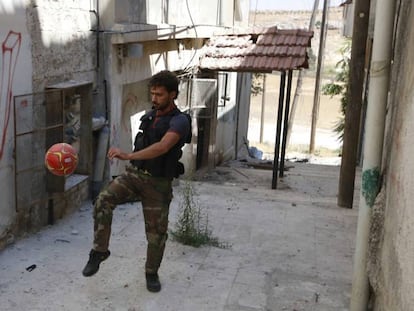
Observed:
{"x":10,"y":49}
{"x":24,"y":103}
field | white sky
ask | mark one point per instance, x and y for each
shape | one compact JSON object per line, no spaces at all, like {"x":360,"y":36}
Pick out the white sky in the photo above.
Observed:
{"x":283,"y":5}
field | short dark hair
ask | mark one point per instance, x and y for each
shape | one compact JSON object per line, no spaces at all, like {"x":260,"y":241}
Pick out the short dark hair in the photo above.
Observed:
{"x":166,"y":79}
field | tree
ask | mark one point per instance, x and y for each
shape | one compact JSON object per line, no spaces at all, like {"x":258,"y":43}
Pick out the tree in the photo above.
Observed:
{"x":339,"y":86}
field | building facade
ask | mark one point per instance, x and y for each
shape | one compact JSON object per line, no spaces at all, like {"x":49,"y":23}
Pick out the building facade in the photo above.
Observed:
{"x":77,"y":72}
{"x":389,"y":250}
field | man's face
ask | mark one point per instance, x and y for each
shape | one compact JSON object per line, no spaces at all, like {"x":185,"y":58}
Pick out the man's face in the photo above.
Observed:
{"x":161,"y":98}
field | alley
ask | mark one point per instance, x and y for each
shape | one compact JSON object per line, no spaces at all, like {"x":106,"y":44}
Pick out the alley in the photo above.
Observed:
{"x":288,"y":249}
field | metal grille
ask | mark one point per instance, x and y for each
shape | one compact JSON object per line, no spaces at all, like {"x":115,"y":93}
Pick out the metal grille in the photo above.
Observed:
{"x":32,"y":122}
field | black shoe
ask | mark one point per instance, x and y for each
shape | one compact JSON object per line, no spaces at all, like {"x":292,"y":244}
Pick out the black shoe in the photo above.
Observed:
{"x":95,"y":259}
{"x":153,"y":282}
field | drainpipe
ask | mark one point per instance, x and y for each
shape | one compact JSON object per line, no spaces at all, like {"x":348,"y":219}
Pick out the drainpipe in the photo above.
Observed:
{"x":374,"y":139}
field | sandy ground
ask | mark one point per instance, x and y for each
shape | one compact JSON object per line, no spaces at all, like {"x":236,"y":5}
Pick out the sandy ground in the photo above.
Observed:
{"x":290,"y":248}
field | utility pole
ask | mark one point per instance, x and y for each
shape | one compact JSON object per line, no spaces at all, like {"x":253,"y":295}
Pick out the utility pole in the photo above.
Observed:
{"x":300,"y":78}
{"x":316,"y":97}
{"x":354,"y":104}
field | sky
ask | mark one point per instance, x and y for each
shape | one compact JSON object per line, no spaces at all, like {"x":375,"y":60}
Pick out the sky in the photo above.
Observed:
{"x":284,"y":5}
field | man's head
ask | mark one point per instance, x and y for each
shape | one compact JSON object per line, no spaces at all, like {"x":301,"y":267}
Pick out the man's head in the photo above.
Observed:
{"x":164,"y":89}
{"x":166,"y":79}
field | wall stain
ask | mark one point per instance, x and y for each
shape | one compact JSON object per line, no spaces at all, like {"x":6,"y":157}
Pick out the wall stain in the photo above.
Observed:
{"x":370,"y":185}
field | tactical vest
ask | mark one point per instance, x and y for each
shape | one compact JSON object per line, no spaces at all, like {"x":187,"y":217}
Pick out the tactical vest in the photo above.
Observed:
{"x":166,"y":165}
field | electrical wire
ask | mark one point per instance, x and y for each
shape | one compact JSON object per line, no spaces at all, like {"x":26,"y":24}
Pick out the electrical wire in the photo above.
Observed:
{"x":161,"y":28}
{"x":174,"y":31}
{"x":187,"y":67}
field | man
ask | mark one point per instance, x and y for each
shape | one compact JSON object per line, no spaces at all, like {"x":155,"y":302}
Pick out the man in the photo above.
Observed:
{"x":154,"y":163}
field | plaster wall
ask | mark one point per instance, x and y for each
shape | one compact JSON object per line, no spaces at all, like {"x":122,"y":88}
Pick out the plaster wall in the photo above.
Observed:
{"x":391,"y":247}
{"x":15,"y":71}
{"x":129,"y":96}
{"x":63,"y":45}
{"x":136,"y":51}
{"x":128,"y":91}
{"x":45,"y":42}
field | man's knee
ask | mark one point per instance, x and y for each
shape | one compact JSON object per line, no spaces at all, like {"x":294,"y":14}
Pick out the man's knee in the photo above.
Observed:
{"x":156,"y":239}
{"x":102,"y":211}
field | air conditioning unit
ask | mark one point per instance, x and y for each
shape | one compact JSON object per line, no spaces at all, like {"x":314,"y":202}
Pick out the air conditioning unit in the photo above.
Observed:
{"x":203,"y":94}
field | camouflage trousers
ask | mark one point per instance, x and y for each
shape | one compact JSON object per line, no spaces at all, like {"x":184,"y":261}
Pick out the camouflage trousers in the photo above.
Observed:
{"x":155,"y":194}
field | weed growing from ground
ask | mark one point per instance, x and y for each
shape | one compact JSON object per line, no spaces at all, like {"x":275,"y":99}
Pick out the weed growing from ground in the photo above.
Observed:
{"x":192,"y":227}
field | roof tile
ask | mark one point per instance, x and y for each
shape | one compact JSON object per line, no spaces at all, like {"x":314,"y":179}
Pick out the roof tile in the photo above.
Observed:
{"x":274,"y":49}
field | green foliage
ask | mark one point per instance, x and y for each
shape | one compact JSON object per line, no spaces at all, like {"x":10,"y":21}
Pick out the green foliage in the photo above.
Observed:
{"x":257,"y":84}
{"x":192,"y":227}
{"x":339,"y":86}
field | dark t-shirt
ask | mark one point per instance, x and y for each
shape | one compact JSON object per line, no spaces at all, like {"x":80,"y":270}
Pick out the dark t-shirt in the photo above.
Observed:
{"x":180,"y":125}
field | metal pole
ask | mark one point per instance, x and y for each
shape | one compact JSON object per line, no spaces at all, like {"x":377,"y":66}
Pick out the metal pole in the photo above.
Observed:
{"x":278,"y":128}
{"x":285,"y":124}
{"x":374,"y":139}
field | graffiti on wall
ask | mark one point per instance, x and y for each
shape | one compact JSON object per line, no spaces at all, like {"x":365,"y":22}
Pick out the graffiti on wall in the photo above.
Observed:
{"x":10,"y":49}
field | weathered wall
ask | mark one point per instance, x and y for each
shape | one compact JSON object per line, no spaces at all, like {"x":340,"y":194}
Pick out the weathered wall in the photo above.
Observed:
{"x":63,"y":45}
{"x":391,"y":257}
{"x":15,"y":71}
{"x":128,"y":79}
{"x":46,"y":42}
{"x":157,"y":49}
{"x":53,"y":43}
{"x":63,"y":49}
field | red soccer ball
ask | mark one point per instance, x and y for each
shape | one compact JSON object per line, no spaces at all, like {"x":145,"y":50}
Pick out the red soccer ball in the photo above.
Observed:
{"x":61,"y":159}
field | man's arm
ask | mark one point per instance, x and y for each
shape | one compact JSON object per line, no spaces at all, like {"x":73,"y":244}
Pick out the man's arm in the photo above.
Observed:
{"x":155,"y":150}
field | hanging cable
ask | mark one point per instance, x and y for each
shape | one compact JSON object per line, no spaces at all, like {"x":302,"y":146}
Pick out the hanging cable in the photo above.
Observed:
{"x":186,"y":68}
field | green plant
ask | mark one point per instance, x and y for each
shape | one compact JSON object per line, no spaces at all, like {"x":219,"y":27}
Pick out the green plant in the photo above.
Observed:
{"x":192,"y":227}
{"x":339,"y":86}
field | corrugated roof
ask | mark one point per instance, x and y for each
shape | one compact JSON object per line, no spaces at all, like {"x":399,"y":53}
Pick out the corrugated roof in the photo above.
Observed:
{"x":258,"y":50}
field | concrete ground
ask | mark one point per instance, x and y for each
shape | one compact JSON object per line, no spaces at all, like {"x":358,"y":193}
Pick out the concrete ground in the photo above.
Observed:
{"x":289,"y":249}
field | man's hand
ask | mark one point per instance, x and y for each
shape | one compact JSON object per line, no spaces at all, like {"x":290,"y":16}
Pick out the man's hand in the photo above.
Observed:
{"x":117,"y":153}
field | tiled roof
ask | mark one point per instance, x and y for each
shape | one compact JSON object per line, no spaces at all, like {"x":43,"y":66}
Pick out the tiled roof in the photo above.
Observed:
{"x":258,"y":50}
{"x":346,"y":2}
